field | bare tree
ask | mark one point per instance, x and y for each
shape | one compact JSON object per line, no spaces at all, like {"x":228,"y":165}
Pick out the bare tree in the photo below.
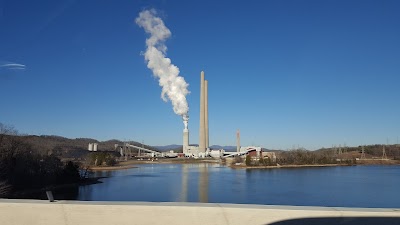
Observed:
{"x":4,"y":188}
{"x":7,"y":147}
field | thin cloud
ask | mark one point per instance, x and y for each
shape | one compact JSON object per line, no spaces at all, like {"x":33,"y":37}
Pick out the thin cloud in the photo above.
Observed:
{"x":13,"y":66}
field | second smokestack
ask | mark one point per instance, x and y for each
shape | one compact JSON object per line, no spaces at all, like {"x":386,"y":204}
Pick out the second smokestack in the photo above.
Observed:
{"x":206,"y":112}
{"x":238,"y":140}
{"x":202,"y":139}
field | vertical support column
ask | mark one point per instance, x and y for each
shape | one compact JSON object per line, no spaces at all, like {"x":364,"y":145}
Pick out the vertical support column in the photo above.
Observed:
{"x":202,"y":144}
{"x":206,"y":112}
{"x":185,"y":141}
{"x":238,"y":140}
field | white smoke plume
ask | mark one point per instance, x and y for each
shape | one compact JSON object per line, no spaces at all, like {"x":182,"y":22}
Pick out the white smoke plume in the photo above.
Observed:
{"x":173,"y":86}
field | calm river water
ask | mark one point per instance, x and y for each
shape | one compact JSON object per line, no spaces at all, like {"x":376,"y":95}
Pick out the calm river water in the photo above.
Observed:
{"x":352,"y":186}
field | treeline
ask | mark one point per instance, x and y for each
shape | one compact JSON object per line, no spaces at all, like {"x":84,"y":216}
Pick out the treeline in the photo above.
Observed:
{"x":305,"y":157}
{"x":66,"y":148}
{"x":298,"y":157}
{"x":22,"y":167}
{"x":101,"y":159}
{"x":392,"y":151}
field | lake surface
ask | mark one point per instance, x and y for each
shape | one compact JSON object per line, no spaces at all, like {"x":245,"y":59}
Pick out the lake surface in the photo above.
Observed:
{"x":347,"y":186}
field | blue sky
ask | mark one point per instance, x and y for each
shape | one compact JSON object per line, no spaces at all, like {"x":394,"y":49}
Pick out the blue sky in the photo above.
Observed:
{"x":307,"y":73}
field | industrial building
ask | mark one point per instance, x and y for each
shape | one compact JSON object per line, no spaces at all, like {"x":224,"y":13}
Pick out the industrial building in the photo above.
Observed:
{"x":200,"y":151}
{"x":92,"y":147}
{"x":203,"y":149}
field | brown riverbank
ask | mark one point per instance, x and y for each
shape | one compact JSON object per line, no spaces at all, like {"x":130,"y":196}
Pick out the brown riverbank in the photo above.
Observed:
{"x":133,"y":162}
{"x":243,"y":166}
{"x":188,"y":161}
{"x":117,"y":167}
{"x":358,"y":162}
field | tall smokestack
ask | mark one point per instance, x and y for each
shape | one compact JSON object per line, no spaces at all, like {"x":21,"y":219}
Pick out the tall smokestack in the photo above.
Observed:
{"x":238,"y":140}
{"x":206,"y":112}
{"x":202,"y":143}
{"x":185,"y":134}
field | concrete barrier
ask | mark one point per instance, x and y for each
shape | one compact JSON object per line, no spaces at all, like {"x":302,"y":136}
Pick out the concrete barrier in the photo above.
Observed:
{"x":37,"y":212}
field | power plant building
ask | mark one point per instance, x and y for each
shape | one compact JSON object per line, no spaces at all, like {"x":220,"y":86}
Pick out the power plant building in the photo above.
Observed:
{"x":203,"y":149}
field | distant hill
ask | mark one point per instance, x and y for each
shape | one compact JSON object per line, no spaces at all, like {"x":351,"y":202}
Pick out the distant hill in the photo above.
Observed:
{"x":167,"y":147}
{"x":226,"y":148}
{"x":69,"y":148}
{"x":78,"y":147}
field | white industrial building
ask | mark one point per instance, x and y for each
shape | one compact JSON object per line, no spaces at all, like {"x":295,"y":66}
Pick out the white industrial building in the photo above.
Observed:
{"x":92,"y":147}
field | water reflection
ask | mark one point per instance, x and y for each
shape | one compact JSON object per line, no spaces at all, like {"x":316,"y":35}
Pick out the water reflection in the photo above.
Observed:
{"x":333,"y":186}
{"x":67,"y":193}
{"x":184,"y":188}
{"x":202,"y":182}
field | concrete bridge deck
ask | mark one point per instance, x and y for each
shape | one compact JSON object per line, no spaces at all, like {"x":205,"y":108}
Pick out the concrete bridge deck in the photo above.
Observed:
{"x":37,"y":212}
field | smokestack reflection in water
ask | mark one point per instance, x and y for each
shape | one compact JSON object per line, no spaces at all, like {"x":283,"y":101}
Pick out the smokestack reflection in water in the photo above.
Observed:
{"x":184,"y":191}
{"x":202,"y":183}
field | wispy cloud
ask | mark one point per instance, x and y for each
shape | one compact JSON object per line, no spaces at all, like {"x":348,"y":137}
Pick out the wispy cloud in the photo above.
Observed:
{"x":13,"y":66}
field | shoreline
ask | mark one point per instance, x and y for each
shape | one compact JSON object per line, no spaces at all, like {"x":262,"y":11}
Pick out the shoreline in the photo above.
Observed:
{"x":41,"y":191}
{"x":367,"y":162}
{"x":123,"y":165}
{"x":287,"y":166}
{"x":133,"y":163}
{"x":109,"y":168}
